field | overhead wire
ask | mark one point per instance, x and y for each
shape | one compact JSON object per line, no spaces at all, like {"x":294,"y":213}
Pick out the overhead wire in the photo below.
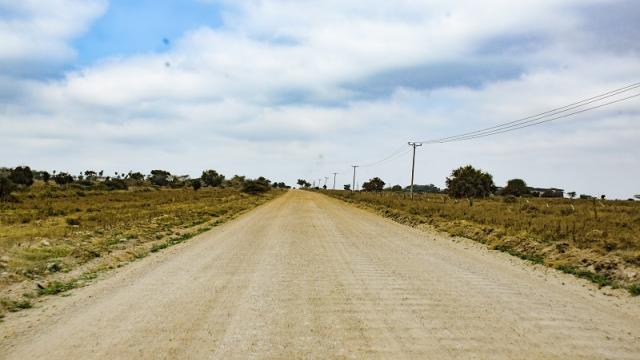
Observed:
{"x":529,"y":124}
{"x":536,"y":118}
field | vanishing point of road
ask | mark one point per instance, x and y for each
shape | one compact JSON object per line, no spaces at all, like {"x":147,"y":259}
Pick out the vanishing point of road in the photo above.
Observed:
{"x":308,"y":276}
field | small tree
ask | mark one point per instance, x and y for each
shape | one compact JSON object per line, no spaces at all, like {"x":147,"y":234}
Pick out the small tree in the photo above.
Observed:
{"x":303,"y":183}
{"x":396,"y":188}
{"x":212,"y":178}
{"x":6,"y":188}
{"x":196,"y":184}
{"x":572,"y":194}
{"x":602,"y":197}
{"x":516,"y":187}
{"x":137,"y":176}
{"x":159,"y":177}
{"x":347,"y":187}
{"x":21,"y":175}
{"x":375,"y":184}
{"x":46,"y":177}
{"x":469,"y":182}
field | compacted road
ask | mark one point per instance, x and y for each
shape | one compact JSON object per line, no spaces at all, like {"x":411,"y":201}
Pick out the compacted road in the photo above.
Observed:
{"x":307,"y":276}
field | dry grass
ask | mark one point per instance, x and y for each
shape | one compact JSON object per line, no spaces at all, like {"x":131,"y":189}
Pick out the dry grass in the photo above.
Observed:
{"x":596,"y":240}
{"x":52,"y":231}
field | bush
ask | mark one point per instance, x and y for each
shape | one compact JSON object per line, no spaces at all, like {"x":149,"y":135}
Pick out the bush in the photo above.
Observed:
{"x":21,"y":175}
{"x":236,"y":181}
{"x":138,"y":176}
{"x":116,"y":184}
{"x":196,"y":185}
{"x":258,"y":186}
{"x":6,"y":188}
{"x":63,"y":178}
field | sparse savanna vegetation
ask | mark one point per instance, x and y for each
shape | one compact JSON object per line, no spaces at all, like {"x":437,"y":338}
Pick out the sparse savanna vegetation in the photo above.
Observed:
{"x":57,"y":235}
{"x":591,"y":238}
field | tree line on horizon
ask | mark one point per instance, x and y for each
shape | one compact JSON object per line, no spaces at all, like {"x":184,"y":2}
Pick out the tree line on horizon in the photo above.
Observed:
{"x":23,"y":177}
{"x":468,"y":182}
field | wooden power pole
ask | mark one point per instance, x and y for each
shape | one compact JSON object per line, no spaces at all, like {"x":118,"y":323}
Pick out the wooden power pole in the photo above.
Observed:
{"x":413,"y":163}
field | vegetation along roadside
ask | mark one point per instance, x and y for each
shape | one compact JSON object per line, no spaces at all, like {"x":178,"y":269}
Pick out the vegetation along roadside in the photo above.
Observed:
{"x":55,"y":236}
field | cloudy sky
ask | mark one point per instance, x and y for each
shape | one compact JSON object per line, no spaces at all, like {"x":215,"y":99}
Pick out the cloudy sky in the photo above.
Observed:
{"x":301,"y":89}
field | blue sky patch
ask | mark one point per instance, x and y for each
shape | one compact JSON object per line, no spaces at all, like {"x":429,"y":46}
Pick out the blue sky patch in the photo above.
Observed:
{"x":142,"y":26}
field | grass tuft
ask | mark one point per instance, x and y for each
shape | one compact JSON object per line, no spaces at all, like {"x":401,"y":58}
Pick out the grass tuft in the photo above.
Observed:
{"x":57,"y":287}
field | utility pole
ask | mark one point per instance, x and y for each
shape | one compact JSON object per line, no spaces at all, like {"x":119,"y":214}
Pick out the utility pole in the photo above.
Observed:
{"x":354,"y":177}
{"x":334,"y":180}
{"x":413,"y":164}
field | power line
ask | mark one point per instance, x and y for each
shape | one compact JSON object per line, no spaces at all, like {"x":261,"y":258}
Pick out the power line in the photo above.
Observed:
{"x":388,"y":157}
{"x":535,"y":119}
{"x":527,"y":124}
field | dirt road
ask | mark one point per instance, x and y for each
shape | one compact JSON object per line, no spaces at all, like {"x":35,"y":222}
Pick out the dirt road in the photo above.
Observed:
{"x":306,"y":276}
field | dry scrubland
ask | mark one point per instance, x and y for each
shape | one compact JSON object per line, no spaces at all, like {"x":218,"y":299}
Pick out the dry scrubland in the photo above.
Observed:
{"x":56,"y":238}
{"x":592,"y":239}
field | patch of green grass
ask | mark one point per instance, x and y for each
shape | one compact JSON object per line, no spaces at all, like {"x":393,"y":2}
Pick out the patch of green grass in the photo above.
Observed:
{"x":57,"y":287}
{"x":634,"y":289}
{"x":158,"y":247}
{"x":536,"y":259}
{"x":599,"y":279}
{"x":15,"y":305}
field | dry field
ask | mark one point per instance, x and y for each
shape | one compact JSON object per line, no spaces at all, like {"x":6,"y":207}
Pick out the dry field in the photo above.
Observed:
{"x":593,"y":239}
{"x":57,"y":238}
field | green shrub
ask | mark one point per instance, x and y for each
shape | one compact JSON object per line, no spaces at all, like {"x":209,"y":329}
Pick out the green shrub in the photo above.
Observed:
{"x":258,"y":186}
{"x":56,"y":287}
{"x":212,"y":178}
{"x":6,"y":188}
{"x":63,"y":178}
{"x":22,"y":175}
{"x":116,"y":184}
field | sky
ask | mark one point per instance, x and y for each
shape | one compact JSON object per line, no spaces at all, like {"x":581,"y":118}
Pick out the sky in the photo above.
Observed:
{"x":302,"y":89}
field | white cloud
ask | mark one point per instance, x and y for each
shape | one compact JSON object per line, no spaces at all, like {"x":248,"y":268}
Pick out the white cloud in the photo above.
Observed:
{"x":38,"y":32}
